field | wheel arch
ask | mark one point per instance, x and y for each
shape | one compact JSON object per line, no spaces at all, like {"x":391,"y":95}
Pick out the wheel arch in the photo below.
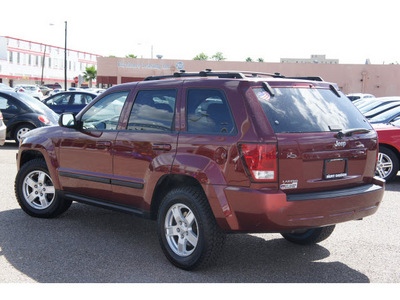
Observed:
{"x":391,"y":147}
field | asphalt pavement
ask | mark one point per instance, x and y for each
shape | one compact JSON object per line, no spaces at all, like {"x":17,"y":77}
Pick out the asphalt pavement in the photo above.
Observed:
{"x":94,"y":245}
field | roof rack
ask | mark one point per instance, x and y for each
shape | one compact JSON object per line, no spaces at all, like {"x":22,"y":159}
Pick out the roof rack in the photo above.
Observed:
{"x":227,"y":74}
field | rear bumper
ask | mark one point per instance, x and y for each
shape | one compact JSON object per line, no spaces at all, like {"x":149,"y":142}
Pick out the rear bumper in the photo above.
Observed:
{"x":250,"y":210}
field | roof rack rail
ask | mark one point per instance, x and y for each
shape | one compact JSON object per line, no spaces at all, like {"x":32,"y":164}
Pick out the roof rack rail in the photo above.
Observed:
{"x":227,"y":74}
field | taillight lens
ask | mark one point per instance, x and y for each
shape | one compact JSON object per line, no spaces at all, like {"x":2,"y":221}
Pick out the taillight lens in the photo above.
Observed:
{"x":261,"y":161}
{"x":1,"y":116}
{"x":44,"y":120}
{"x":21,"y":90}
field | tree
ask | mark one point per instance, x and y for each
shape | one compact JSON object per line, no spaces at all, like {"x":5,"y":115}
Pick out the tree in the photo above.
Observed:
{"x":260,"y":59}
{"x":201,"y":56}
{"x":90,"y":74}
{"x":249,"y":59}
{"x":131,"y":56}
{"x":218,"y":56}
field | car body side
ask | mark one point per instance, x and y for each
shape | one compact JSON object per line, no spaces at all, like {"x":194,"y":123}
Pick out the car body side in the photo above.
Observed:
{"x":238,"y":203}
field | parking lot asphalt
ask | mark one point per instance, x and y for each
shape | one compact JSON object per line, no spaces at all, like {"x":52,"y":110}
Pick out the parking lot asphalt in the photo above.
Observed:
{"x":88,"y":244}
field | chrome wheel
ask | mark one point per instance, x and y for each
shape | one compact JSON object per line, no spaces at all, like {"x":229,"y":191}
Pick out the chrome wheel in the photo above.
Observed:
{"x":181,"y":230}
{"x":38,"y":190}
{"x":384,"y":166}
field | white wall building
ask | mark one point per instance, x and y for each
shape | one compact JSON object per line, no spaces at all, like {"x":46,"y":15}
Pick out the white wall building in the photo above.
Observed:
{"x":26,"y":62}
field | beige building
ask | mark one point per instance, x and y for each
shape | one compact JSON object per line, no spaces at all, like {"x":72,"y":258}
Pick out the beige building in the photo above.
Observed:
{"x":379,"y":80}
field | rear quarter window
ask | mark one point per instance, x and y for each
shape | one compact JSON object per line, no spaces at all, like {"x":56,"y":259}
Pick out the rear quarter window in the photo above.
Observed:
{"x":293,"y":110}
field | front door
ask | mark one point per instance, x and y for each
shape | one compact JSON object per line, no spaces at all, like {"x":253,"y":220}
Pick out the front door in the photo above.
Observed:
{"x":86,"y":155}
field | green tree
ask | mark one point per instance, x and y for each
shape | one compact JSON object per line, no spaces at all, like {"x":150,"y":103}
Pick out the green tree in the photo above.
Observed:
{"x":249,"y":59}
{"x":201,"y":56}
{"x":131,"y":56}
{"x":260,"y":59}
{"x":218,"y":56}
{"x":90,"y":74}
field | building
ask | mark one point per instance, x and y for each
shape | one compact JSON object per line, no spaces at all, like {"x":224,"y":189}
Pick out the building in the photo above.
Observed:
{"x":315,"y":59}
{"x":27,"y":62}
{"x":379,"y":80}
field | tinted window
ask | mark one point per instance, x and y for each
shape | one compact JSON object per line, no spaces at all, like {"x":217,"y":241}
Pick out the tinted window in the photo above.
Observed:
{"x":386,"y":116}
{"x":62,"y":99}
{"x":153,"y":110}
{"x":208,"y":112}
{"x":105,"y":113}
{"x":309,"y":110}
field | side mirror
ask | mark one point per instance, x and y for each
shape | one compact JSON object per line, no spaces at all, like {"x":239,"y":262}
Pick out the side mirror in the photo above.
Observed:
{"x":67,"y":120}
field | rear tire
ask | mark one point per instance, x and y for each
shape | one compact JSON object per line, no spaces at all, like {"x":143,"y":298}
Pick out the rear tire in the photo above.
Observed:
{"x":310,"y":236}
{"x":187,"y":230}
{"x":21,"y":130}
{"x":36,"y":193}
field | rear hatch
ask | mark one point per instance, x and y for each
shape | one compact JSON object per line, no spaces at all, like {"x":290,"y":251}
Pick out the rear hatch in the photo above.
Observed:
{"x":323,"y":141}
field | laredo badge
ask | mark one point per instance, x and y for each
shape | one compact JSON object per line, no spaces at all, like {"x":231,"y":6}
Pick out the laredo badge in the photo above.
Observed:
{"x":289,"y":184}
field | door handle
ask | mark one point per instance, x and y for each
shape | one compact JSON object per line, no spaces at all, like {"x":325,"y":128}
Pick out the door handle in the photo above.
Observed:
{"x":165,"y":147}
{"x":103,"y":144}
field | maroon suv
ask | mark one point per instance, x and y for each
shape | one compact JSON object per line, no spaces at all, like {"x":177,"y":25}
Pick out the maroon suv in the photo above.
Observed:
{"x":209,"y":153}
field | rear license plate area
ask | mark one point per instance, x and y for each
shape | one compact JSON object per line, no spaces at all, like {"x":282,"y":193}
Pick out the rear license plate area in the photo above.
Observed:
{"x":335,"y":168}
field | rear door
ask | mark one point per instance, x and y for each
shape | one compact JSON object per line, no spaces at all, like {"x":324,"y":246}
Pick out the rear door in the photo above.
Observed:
{"x":324,"y":142}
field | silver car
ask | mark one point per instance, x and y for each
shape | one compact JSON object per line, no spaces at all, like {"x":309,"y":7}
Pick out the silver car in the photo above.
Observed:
{"x":3,"y":130}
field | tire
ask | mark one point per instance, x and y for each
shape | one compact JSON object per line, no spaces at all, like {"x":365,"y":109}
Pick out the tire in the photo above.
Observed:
{"x":20,"y":130}
{"x":35,"y":191}
{"x":388,"y":164}
{"x":187,"y":230}
{"x":310,"y":236}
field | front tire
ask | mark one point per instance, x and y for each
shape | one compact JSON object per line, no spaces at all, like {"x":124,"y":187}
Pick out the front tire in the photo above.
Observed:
{"x":388,"y":164}
{"x":309,"y":236}
{"x":36,"y":193}
{"x":187,"y":230}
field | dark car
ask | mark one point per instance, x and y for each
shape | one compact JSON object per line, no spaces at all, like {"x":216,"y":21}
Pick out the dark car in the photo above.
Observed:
{"x":209,"y":153}
{"x":386,"y":116}
{"x":23,"y":113}
{"x":69,"y":101}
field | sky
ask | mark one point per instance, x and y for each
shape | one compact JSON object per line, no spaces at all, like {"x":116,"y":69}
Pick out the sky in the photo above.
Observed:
{"x":351,"y":31}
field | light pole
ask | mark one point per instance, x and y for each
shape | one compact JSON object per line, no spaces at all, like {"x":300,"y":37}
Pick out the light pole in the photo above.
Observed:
{"x":65,"y":58}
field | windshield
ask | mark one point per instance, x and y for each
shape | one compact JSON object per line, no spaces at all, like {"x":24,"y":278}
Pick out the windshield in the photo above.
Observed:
{"x":293,"y":110}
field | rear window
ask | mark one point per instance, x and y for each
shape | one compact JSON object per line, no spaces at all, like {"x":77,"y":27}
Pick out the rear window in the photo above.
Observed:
{"x":293,"y":110}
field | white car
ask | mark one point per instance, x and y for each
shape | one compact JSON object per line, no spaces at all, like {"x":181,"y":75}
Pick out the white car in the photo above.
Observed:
{"x":32,"y":90}
{"x":3,"y":130}
{"x":359,"y":96}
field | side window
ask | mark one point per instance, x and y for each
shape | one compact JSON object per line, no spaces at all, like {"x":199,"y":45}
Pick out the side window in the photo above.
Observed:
{"x":208,"y":112}
{"x":153,"y":110}
{"x":105,"y":113}
{"x":59,"y":100}
{"x":10,"y":106}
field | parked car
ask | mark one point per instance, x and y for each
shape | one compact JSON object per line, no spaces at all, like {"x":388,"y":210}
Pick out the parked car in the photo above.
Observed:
{"x":32,"y":90}
{"x":209,"y":153}
{"x":376,"y":103}
{"x":45,"y":90}
{"x":53,"y":86}
{"x":386,"y":116}
{"x":5,"y":87}
{"x":359,"y":96}
{"x":389,"y":150}
{"x":69,"y":101}
{"x":22,"y":113}
{"x":381,"y":109}
{"x":3,"y":130}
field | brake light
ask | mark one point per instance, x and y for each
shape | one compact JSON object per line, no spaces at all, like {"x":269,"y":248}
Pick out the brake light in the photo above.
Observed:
{"x":44,"y":120}
{"x":21,"y":90}
{"x":1,"y":116}
{"x":261,"y":161}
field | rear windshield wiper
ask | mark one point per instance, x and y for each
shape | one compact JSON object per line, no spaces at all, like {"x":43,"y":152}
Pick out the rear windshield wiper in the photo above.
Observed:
{"x":350,"y":132}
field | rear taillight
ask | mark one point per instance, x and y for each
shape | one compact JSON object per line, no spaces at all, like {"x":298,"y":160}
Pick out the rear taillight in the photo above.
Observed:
{"x":44,"y":120}
{"x":21,"y":90}
{"x":1,"y":116}
{"x":261,"y":161}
